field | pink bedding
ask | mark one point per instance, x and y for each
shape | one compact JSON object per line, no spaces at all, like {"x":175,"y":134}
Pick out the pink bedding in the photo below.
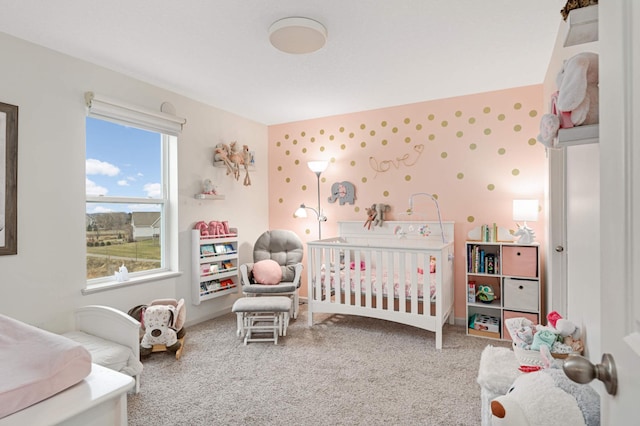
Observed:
{"x":396,"y":285}
{"x":36,"y":364}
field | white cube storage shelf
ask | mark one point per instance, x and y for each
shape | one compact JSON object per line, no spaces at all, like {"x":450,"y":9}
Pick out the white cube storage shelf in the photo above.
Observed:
{"x":513,"y":272}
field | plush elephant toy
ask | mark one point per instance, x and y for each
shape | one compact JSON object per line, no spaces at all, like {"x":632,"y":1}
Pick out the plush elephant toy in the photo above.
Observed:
{"x":343,"y":191}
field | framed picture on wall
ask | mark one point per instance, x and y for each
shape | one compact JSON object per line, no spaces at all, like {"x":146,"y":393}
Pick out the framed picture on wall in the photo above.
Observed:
{"x":8,"y":179}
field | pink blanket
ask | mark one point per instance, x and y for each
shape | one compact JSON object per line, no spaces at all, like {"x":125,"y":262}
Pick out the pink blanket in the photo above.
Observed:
{"x":36,"y":364}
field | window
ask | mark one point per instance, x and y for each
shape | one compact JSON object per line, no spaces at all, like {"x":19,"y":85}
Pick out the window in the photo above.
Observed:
{"x":128,"y":197}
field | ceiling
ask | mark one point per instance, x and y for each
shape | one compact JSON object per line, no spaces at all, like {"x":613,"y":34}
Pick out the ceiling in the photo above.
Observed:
{"x":379,"y":53}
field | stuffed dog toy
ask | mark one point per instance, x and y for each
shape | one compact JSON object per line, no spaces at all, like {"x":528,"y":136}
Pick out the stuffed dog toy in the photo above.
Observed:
{"x":162,"y":323}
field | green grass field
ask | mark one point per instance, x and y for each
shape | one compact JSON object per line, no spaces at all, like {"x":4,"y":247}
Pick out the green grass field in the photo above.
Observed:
{"x":138,"y":256}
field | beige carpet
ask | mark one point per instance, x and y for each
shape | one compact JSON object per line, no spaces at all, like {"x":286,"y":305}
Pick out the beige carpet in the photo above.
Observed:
{"x":345,"y":370}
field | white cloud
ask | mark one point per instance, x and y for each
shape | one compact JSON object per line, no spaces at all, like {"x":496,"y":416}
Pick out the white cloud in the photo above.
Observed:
{"x":140,"y":174}
{"x":94,"y":190}
{"x":154,"y":190}
{"x":97,"y":167}
{"x":123,"y":182}
{"x":131,"y":178}
{"x":100,"y":209}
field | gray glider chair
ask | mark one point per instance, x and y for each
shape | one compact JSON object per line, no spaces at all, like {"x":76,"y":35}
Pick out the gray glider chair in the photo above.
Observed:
{"x":284,"y":247}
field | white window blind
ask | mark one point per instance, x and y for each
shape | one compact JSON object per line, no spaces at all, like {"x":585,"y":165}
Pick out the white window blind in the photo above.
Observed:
{"x":132,"y":115}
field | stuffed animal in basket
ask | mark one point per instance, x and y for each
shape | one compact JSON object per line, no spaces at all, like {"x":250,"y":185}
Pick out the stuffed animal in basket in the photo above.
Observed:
{"x":546,"y":397}
{"x":576,"y":103}
{"x":162,"y":323}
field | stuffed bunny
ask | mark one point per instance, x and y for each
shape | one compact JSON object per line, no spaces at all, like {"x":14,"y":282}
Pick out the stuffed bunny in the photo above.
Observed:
{"x":576,"y":103}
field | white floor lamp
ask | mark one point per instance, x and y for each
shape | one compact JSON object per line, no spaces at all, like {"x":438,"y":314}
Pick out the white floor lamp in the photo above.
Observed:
{"x":316,"y":167}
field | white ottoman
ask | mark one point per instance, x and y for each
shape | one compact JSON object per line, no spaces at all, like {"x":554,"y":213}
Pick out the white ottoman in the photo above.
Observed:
{"x":267,"y":316}
{"x":498,"y":370}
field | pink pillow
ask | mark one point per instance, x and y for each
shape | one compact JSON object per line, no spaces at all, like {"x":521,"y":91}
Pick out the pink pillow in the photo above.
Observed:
{"x":267,"y":272}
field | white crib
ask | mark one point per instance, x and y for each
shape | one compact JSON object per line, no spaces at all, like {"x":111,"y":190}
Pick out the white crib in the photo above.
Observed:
{"x":401,"y":272}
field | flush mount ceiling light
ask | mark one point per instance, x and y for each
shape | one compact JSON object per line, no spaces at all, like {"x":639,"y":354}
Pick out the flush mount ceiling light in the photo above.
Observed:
{"x":297,"y":35}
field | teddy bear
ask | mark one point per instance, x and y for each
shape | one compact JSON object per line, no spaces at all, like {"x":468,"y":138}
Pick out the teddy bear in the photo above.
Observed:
{"x":576,"y":103}
{"x":546,"y":397}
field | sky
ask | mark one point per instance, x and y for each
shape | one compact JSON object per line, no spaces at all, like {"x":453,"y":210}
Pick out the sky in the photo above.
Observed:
{"x":122,"y":162}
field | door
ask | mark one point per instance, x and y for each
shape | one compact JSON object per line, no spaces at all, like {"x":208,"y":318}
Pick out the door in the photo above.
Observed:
{"x":620,"y":205}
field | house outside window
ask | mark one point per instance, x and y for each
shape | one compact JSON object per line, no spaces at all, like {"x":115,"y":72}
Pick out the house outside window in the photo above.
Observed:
{"x":128,"y":195}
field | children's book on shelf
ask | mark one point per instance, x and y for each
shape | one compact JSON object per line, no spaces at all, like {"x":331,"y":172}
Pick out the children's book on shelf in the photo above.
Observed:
{"x":229,"y":248}
{"x":472,"y":292}
{"x":207,"y":250}
{"x":227,"y":265}
{"x":220,"y":249}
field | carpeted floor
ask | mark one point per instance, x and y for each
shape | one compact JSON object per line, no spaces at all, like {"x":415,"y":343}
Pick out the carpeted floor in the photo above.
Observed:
{"x":345,"y":370}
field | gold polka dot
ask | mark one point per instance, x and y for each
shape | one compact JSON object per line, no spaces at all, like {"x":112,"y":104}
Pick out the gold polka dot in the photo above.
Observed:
{"x":532,"y":141}
{"x":491,"y":187}
{"x":297,"y":162}
{"x":394,"y":130}
{"x":517,"y":128}
{"x":515,"y":172}
{"x":458,"y":113}
{"x":501,"y":117}
{"x":353,"y":163}
{"x":444,"y":155}
{"x":383,"y":124}
{"x":356,"y":209}
{"x":304,"y":150}
{"x":303,"y":187}
{"x":372,"y":133}
{"x":363,"y":144}
{"x":286,"y":136}
{"x":444,"y":123}
{"x":364,"y":180}
{"x":407,"y":121}
{"x":471,"y":219}
{"x":302,"y":134}
{"x":472,"y":120}
{"x":362,"y":126}
{"x":331,"y":137}
{"x":322,"y":131}
{"x":351,"y":135}
{"x":323,"y":179}
{"x":322,"y":149}
{"x":307,"y":231}
{"x":435,"y":196}
{"x":343,"y":146}
{"x":473,"y":146}
{"x":432,"y":137}
{"x":278,"y":143}
{"x":280,"y":200}
{"x":385,"y":194}
{"x":487,"y":131}
{"x":279,"y":168}
{"x":486,"y":110}
{"x":287,"y":180}
{"x":341,"y":129}
{"x":407,"y":178}
{"x":518,"y":105}
{"x":418,"y":126}
{"x":501,"y":151}
{"x":287,"y":152}
{"x":384,"y":142}
{"x":312,"y":139}
{"x":407,"y":139}
{"x":460,"y":175}
{"x":533,"y":113}
{"x":332,"y":160}
{"x":459,"y":133}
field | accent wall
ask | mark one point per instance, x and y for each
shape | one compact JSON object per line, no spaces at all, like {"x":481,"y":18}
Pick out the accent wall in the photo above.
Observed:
{"x":475,"y":153}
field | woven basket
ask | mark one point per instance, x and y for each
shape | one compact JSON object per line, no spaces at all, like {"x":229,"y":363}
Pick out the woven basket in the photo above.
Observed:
{"x":529,"y":357}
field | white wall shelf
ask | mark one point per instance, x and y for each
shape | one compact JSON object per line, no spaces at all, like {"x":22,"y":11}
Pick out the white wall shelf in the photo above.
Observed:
{"x":208,"y":197}
{"x":579,"y":135}
{"x":214,"y":271}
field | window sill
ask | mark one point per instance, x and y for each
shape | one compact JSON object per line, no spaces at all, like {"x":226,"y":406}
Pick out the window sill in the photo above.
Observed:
{"x":113,"y":285}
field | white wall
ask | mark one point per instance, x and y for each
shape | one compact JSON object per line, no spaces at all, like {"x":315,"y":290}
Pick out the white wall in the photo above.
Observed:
{"x":42,"y":284}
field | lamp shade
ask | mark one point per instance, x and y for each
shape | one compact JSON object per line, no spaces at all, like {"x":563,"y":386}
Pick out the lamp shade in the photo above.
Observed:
{"x":318,"y":166}
{"x":301,"y":211}
{"x":525,"y":210}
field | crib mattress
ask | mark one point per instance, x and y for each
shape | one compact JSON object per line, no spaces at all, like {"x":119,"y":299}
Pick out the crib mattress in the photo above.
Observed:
{"x":36,"y":364}
{"x":108,"y":354}
{"x":396,"y":284}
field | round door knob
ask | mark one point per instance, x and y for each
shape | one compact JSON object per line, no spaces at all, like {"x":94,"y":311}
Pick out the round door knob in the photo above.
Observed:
{"x":581,"y":370}
{"x":559,"y":249}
